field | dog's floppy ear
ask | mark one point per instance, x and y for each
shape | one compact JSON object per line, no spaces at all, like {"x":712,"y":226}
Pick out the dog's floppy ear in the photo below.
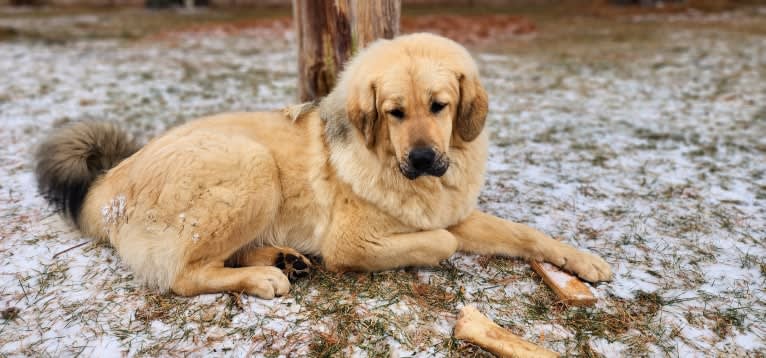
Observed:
{"x":361,"y":108}
{"x":472,"y":108}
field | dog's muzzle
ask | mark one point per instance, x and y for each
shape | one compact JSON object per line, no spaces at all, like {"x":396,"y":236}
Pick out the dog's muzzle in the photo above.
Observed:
{"x":424,"y":161}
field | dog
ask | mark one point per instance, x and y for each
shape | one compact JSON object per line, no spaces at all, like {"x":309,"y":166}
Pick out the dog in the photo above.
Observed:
{"x":382,"y":173}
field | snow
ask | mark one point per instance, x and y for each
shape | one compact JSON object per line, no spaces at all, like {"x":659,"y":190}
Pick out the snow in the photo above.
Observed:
{"x":656,"y":164}
{"x":114,"y":210}
{"x":609,"y":349}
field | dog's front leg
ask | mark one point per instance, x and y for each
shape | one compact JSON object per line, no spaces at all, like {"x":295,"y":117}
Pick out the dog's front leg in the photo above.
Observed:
{"x":486,"y":234}
{"x":423,"y":248}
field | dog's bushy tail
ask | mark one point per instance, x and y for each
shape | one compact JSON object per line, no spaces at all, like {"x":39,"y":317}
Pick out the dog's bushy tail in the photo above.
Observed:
{"x":72,"y":158}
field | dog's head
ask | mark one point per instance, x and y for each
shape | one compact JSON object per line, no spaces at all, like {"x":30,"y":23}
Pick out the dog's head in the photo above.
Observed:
{"x":415,"y":97}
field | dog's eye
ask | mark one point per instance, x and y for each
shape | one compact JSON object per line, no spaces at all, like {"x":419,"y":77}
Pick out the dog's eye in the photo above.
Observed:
{"x":398,"y":113}
{"x":436,"y":107}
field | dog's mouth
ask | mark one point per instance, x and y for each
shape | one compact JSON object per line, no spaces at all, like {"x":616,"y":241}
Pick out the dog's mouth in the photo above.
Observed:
{"x":412,"y":172}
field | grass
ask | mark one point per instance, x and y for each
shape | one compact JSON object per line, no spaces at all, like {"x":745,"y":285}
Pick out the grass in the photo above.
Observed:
{"x":342,"y":296}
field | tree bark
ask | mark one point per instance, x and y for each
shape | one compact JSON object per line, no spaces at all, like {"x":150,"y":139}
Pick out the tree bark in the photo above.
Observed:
{"x":374,"y":19}
{"x":329,"y":33}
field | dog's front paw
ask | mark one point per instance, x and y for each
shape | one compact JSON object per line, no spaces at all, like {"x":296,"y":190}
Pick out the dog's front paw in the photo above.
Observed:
{"x":267,"y":283}
{"x":294,"y":265}
{"x":587,"y":266}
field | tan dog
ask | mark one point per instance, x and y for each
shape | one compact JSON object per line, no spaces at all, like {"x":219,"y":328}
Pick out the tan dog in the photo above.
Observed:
{"x":382,"y":173}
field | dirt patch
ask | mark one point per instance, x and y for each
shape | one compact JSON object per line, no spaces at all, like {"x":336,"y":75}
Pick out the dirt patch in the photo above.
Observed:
{"x":469,"y":29}
{"x":7,"y":32}
{"x":635,"y":7}
{"x":276,"y":27}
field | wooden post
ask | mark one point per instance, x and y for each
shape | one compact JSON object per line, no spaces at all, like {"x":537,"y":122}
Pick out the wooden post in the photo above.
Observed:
{"x":374,"y":19}
{"x":330,"y":31}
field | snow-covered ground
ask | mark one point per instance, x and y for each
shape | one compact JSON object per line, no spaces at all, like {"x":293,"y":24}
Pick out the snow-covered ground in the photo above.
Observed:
{"x":655,"y":160}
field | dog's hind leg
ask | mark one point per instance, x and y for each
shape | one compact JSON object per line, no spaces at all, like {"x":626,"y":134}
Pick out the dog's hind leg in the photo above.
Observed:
{"x":221,"y":192}
{"x":261,"y":281}
{"x":290,"y":261}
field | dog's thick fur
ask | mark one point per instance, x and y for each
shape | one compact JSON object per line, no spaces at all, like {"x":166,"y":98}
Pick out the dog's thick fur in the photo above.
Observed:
{"x":214,"y":204}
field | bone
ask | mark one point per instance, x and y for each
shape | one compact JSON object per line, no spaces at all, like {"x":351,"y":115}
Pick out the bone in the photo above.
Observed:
{"x":476,"y":328}
{"x":568,"y":288}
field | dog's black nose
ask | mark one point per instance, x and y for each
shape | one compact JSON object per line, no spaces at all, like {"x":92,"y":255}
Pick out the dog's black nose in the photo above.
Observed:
{"x":422,"y":158}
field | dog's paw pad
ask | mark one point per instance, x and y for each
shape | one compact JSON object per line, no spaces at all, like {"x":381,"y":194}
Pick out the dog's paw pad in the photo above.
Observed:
{"x":294,"y":266}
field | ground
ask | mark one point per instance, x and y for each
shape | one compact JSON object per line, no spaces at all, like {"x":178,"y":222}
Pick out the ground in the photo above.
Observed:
{"x":638,"y":137}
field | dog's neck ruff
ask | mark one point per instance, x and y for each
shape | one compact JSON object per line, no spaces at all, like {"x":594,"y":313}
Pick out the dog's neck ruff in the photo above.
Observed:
{"x":426,"y":203}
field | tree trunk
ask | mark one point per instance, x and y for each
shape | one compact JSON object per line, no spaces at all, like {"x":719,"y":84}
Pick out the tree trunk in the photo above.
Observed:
{"x":330,"y":31}
{"x":374,"y":19}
